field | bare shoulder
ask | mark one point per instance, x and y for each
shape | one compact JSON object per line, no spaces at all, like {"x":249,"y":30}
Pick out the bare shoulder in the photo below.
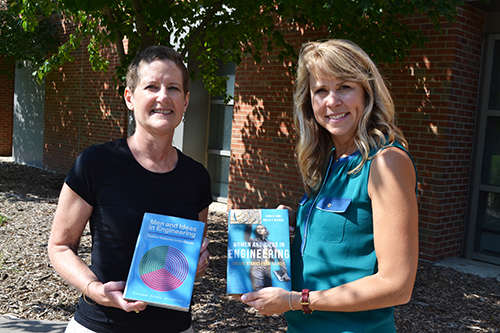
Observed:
{"x":393,"y":160}
{"x":393,"y":157}
{"x":390,"y":167}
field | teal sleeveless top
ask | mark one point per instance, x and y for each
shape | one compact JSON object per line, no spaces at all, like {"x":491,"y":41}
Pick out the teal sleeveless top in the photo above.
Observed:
{"x":333,"y":245}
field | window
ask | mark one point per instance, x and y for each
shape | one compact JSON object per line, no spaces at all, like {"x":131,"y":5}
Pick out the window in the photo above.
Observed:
{"x":484,"y":230}
{"x":219,"y":137}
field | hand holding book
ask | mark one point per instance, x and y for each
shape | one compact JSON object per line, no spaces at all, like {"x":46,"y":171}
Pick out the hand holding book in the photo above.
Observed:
{"x":204,"y":260}
{"x":110,"y":294}
{"x":264,"y":300}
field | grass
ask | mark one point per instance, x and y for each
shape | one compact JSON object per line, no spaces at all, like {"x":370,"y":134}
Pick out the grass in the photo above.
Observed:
{"x":3,"y":219}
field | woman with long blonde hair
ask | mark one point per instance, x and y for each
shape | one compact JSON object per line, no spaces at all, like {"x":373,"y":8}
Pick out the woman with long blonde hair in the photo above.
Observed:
{"x":355,"y":248}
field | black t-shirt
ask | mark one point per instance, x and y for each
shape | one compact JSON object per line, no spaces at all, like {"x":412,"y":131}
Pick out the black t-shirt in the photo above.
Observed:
{"x":108,"y":177}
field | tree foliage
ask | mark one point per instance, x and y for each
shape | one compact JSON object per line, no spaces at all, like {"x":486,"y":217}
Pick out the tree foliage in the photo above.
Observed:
{"x":208,"y":32}
{"x":375,"y":24}
{"x":21,"y":45}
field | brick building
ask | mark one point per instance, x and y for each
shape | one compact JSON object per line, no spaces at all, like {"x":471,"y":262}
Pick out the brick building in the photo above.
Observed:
{"x":82,"y":108}
{"x":448,"y":103}
{"x":6,"y":105}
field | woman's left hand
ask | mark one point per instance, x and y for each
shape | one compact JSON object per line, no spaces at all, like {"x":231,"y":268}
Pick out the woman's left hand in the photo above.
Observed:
{"x":268,"y":301}
{"x":204,"y":260}
{"x":111,"y":294}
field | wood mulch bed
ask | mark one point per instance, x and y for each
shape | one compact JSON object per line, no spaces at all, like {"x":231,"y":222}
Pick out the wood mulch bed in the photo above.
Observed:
{"x":444,"y":300}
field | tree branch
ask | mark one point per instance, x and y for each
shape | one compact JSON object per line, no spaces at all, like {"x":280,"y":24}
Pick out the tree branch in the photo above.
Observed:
{"x":147,"y":38}
{"x":119,"y":43}
{"x":201,"y":27}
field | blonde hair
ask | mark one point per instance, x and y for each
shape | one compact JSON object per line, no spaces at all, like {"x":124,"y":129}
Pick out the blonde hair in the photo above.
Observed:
{"x":343,"y":60}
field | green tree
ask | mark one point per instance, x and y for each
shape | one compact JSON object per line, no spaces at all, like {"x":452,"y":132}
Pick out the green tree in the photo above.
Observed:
{"x":207,"y":32}
{"x":21,"y":45}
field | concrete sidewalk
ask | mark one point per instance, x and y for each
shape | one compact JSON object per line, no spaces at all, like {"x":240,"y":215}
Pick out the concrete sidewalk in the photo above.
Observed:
{"x":478,"y":268}
{"x":26,"y":326}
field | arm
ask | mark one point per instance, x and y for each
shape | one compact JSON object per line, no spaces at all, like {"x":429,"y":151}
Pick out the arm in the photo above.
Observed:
{"x":391,"y":187}
{"x":395,"y":225}
{"x":204,"y":260}
{"x":71,"y":217}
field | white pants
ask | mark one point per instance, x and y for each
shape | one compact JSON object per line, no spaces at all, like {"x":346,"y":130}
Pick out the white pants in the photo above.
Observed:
{"x":74,"y":327}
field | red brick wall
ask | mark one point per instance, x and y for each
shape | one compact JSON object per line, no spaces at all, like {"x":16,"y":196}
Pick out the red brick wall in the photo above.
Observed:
{"x":263,"y":171}
{"x":436,"y":92}
{"x":6,"y":106}
{"x":435,"y":89}
{"x":82,"y":107}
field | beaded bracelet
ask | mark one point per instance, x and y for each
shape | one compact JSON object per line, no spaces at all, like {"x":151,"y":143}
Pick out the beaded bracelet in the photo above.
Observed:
{"x":86,"y":286}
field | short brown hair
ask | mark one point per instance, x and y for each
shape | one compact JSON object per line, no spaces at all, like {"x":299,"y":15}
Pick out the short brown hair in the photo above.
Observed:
{"x":152,"y":53}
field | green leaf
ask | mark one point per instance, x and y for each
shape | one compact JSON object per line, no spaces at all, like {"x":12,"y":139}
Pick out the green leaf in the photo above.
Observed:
{"x":211,"y":32}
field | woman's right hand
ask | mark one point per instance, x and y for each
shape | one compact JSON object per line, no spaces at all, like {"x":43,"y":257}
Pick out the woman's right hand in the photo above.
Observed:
{"x":268,"y":301}
{"x":292,"y":219}
{"x":111,"y":294}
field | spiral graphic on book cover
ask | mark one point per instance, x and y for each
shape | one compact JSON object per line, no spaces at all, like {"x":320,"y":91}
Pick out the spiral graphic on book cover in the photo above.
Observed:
{"x":163,"y":268}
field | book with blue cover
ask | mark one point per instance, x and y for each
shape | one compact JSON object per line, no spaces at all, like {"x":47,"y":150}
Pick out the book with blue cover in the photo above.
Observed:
{"x":258,"y":251}
{"x":165,"y":259}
